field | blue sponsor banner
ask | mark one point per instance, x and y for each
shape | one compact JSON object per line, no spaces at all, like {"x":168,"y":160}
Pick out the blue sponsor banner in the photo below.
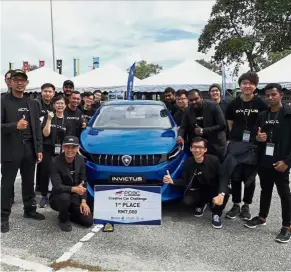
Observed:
{"x":130,"y":82}
{"x":95,"y":62}
{"x":126,"y":204}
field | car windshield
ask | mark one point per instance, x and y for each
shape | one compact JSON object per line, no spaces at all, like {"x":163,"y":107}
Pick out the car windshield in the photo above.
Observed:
{"x":132,"y":116}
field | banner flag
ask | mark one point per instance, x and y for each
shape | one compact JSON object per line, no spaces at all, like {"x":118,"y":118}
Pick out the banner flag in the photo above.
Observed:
{"x":60,"y":65}
{"x":75,"y":67}
{"x":25,"y":66}
{"x":95,"y":62}
{"x":223,"y":80}
{"x":78,"y":67}
{"x":129,"y":93}
{"x":11,"y":65}
{"x":41,"y":63}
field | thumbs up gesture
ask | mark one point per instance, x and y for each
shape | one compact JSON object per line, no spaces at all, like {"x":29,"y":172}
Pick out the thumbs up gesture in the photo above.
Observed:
{"x":167,"y":178}
{"x":22,"y":123}
{"x":80,"y":190}
{"x":261,"y":136}
{"x":50,"y":115}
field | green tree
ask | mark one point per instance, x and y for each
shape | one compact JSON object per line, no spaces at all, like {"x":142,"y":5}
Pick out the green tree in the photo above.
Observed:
{"x":211,"y":65}
{"x":144,"y":69}
{"x":273,"y":57}
{"x":251,"y":28}
{"x":32,"y":67}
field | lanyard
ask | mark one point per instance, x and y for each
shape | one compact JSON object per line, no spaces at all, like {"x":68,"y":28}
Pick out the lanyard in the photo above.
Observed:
{"x":273,"y":125}
{"x":249,"y":112}
{"x":59,"y":130}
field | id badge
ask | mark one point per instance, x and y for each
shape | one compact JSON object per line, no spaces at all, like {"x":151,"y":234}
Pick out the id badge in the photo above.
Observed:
{"x":270,"y":149}
{"x":246,"y":136}
{"x":57,"y":149}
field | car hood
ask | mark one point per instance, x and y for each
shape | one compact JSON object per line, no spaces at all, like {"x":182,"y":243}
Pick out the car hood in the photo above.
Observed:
{"x":131,"y":142}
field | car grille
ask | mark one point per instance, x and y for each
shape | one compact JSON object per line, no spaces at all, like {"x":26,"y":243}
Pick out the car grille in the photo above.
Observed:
{"x":137,"y":160}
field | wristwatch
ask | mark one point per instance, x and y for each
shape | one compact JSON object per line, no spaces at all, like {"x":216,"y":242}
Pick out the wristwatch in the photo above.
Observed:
{"x":223,"y":194}
{"x":201,"y":131}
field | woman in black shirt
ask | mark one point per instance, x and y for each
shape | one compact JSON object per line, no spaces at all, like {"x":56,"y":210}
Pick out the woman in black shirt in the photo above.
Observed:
{"x":54,"y":130}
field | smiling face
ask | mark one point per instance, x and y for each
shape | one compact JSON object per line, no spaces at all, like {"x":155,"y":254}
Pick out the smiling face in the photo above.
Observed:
{"x":60,"y":105}
{"x":247,"y":87}
{"x":19,"y":83}
{"x":75,"y":100}
{"x":182,"y":101}
{"x":198,"y":150}
{"x":88,"y":100}
{"x":47,"y":94}
{"x":215,"y":93}
{"x":195,"y":100}
{"x":273,"y":97}
{"x":70,"y":151}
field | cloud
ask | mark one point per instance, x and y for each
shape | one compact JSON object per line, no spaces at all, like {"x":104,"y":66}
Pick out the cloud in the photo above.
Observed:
{"x":163,"y":32}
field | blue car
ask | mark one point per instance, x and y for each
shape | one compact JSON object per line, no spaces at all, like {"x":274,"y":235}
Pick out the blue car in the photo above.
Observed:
{"x":132,"y":143}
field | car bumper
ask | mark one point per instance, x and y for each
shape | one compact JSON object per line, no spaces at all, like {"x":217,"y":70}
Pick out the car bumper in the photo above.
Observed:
{"x":99,"y":174}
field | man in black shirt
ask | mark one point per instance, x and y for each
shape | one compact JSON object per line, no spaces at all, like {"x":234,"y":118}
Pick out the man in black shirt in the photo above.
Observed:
{"x":170,"y":100}
{"x":97,"y":99}
{"x":68,"y":195}
{"x":74,"y":116}
{"x":242,"y":114}
{"x":45,"y":104}
{"x":8,"y":81}
{"x":204,"y":118}
{"x":202,"y":176}
{"x":68,"y":88}
{"x":274,"y":138}
{"x":182,"y":103}
{"x":21,"y":148}
{"x":87,"y":110}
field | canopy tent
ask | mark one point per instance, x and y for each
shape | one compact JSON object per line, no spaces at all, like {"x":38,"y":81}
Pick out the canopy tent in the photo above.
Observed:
{"x":106,"y":78}
{"x":279,"y":72}
{"x":186,"y":75}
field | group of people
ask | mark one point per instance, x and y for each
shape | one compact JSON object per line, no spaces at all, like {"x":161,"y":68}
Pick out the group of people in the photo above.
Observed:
{"x":45,"y":132}
{"x":230,"y":143}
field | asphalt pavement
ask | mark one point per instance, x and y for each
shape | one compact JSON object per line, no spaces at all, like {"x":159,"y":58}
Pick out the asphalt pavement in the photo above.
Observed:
{"x":183,"y":242}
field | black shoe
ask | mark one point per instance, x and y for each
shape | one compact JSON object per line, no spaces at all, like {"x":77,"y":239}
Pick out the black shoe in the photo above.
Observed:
{"x":4,"y":226}
{"x":65,"y":226}
{"x":216,"y":221}
{"x":254,"y":222}
{"x":34,"y":215}
{"x":284,"y":236}
{"x":199,"y":211}
{"x":245,"y":212}
{"x":233,"y":212}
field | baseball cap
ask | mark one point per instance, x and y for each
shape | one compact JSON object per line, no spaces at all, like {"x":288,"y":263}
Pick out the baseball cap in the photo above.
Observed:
{"x":71,"y":140}
{"x":18,"y":72}
{"x":68,"y":82}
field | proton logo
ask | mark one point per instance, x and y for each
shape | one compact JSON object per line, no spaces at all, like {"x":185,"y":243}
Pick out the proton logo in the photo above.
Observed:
{"x":126,"y":159}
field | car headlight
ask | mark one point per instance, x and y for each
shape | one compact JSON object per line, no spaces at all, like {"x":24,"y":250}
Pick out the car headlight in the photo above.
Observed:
{"x":176,"y":151}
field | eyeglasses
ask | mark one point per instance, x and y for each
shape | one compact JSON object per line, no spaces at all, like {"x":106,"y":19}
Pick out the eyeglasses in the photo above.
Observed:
{"x":181,"y":99}
{"x":18,"y":80}
{"x":199,"y":147}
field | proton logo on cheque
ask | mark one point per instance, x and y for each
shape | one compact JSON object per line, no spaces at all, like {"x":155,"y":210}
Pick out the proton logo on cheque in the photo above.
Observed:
{"x":127,"y":193}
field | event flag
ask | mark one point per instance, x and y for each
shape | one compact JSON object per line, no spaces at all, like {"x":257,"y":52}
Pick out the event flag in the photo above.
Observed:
{"x":60,"y":65}
{"x":95,"y":62}
{"x":11,"y":65}
{"x":129,"y":93}
{"x":41,"y":63}
{"x":25,"y":66}
{"x":223,"y":80}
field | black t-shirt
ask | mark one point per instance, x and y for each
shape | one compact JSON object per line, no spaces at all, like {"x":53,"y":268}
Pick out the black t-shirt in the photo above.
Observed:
{"x":198,"y":177}
{"x":244,"y":116}
{"x":71,"y":167}
{"x":199,"y":117}
{"x":58,"y":131}
{"x":87,"y":114}
{"x":74,"y":119}
{"x":23,"y":111}
{"x":178,"y":117}
{"x":271,"y":128}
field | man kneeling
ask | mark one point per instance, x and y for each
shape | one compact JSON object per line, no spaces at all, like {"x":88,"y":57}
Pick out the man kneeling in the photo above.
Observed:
{"x":68,"y":195}
{"x":204,"y":181}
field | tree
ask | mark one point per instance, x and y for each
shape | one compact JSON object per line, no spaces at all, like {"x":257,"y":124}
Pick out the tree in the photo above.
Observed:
{"x":144,"y":69}
{"x":210,"y":65}
{"x":273,"y":57}
{"x":247,"y":28}
{"x":32,"y":67}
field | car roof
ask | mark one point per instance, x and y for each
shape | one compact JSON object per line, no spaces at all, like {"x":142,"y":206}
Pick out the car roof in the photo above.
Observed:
{"x":134,"y":102}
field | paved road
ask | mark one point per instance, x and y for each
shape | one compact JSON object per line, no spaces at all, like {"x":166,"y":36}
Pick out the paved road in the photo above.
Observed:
{"x":183,"y":242}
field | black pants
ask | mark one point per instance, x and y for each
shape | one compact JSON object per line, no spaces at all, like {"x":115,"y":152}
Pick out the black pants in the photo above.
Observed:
{"x":26,"y":163}
{"x":68,"y":206}
{"x":201,"y":196}
{"x":269,"y":177}
{"x":242,"y":173}
{"x":45,"y":166}
{"x":37,"y":178}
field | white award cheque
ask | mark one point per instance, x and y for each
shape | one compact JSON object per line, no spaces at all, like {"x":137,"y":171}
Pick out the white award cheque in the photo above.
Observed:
{"x":126,"y":204}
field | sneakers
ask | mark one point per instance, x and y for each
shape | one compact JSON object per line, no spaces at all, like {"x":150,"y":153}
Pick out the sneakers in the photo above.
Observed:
{"x":245,"y":212}
{"x":43,"y":202}
{"x":284,"y":236}
{"x":34,"y":215}
{"x":65,"y":226}
{"x":233,"y":212}
{"x":199,"y":211}
{"x":254,"y":222}
{"x":216,"y":221}
{"x":4,"y":226}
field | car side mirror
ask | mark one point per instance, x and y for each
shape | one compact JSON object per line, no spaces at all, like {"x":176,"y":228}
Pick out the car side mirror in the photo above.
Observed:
{"x":164,"y":113}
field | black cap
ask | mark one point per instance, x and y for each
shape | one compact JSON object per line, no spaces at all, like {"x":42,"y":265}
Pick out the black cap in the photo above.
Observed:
{"x":68,"y":82}
{"x":18,"y":72}
{"x":71,"y":140}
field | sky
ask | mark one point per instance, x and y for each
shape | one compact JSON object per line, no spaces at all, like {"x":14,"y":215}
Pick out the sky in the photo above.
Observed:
{"x":119,"y":32}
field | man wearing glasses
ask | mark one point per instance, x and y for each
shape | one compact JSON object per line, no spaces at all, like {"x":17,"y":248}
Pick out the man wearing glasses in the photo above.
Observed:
{"x":204,"y":181}
{"x":21,"y":148}
{"x":182,"y":102}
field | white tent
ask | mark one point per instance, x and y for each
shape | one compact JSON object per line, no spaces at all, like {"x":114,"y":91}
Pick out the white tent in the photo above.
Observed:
{"x":186,"y":75}
{"x":279,"y":72}
{"x":44,"y":75}
{"x":106,"y":78}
